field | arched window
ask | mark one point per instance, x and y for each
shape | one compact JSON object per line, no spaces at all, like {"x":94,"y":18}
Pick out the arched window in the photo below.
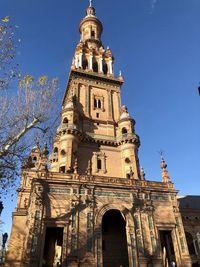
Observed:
{"x":99,"y":164}
{"x":55,"y":150}
{"x":62,"y":169}
{"x":124,"y":131}
{"x":65,"y":121}
{"x":127,"y":160}
{"x":105,"y":68}
{"x":92,"y":33}
{"x":63,"y":153}
{"x":85,"y":63}
{"x":190,"y":243}
{"x":97,"y":103}
{"x":95,"y":65}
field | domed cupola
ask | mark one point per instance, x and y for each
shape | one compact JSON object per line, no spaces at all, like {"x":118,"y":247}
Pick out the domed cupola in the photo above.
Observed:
{"x":91,"y":27}
{"x":126,"y":123}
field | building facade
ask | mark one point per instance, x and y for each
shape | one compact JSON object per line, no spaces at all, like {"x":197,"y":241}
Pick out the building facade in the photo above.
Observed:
{"x":93,"y":206}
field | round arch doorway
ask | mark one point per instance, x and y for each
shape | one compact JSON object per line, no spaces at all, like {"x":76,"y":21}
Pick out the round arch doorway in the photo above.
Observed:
{"x":114,"y":241}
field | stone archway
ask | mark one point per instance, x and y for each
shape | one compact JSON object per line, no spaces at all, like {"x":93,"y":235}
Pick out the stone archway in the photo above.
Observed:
{"x":114,"y":240}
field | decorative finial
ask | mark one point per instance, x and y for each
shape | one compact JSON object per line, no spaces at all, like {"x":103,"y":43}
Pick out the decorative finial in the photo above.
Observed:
{"x":90,"y":2}
{"x":45,"y":150}
{"x":165,"y":173}
{"x":163,"y":165}
{"x":142,"y":173}
{"x":120,"y":76}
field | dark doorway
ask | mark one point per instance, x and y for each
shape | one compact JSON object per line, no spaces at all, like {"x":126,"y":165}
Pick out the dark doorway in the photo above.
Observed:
{"x":114,"y":242}
{"x":53,"y":247}
{"x":167,"y":247}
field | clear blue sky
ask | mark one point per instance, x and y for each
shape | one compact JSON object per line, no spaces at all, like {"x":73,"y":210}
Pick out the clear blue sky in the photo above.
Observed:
{"x":156,"y":44}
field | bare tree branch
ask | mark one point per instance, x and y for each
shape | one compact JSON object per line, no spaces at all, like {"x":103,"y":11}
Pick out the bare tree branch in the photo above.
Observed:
{"x":14,"y":140}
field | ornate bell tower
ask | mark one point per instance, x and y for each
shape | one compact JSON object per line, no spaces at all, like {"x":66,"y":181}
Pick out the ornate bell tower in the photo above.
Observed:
{"x":96,"y":132}
{"x":89,"y":203}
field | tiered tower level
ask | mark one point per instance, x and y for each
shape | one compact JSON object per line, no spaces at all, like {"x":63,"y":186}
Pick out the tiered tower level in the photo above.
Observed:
{"x":89,"y":203}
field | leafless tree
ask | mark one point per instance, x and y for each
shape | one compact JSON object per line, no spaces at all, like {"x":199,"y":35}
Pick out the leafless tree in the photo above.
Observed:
{"x":24,"y":117}
{"x":26,"y":114}
{"x":8,"y":43}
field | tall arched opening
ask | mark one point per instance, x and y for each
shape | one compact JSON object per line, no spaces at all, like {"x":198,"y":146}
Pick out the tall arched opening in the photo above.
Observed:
{"x":114,"y":241}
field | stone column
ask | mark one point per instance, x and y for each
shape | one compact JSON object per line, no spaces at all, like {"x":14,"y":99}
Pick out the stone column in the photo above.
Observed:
{"x":90,"y":62}
{"x":119,"y":103}
{"x":76,"y":61}
{"x":110,"y":115}
{"x":110,"y":67}
{"x":132,"y":246}
{"x":101,"y":65}
{"x":87,"y":100}
{"x":104,"y":163}
{"x":177,"y":248}
{"x":95,"y":163}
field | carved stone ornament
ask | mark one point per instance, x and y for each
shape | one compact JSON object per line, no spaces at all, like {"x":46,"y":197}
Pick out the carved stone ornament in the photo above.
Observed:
{"x":90,"y":201}
{"x":143,"y":205}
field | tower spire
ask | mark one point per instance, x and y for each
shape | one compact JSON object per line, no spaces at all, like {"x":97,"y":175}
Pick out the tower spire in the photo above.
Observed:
{"x":90,"y":3}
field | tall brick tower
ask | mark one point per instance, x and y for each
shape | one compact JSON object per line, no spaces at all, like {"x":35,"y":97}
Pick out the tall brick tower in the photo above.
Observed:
{"x":93,"y":205}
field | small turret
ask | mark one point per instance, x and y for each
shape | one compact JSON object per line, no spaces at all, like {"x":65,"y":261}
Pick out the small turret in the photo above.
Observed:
{"x":129,"y":143}
{"x":42,"y":163}
{"x":142,"y":173}
{"x":165,"y":173}
{"x":125,"y":124}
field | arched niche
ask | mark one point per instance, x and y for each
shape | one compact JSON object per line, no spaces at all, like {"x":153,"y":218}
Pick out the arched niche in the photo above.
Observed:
{"x":85,"y":63}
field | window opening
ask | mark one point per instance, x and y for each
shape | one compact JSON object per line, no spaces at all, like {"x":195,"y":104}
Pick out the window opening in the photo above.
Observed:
{"x":124,"y":131}
{"x":63,"y":153}
{"x":99,"y":103}
{"x":62,"y":169}
{"x":93,"y":33}
{"x":97,"y":115}
{"x":85,"y":63}
{"x":95,"y":103}
{"x":99,"y":164}
{"x":65,"y":120}
{"x":105,"y":68}
{"x":127,"y":160}
{"x":34,"y":159}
